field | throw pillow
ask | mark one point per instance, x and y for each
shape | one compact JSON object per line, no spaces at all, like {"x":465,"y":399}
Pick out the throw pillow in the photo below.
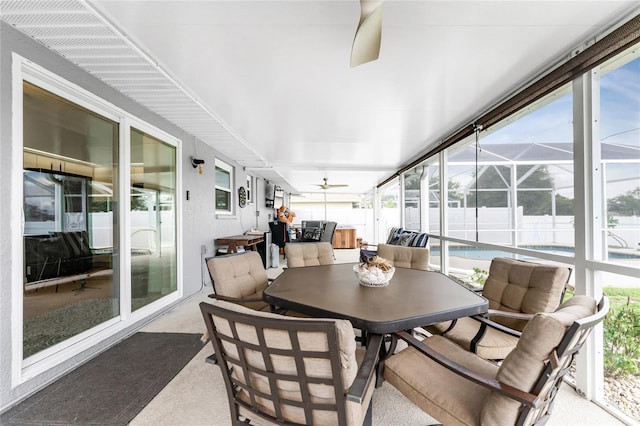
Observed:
{"x":406,"y":238}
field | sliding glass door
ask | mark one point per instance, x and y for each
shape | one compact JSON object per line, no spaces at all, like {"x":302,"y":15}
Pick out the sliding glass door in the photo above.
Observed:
{"x":91,"y":260}
{"x":70,"y":164}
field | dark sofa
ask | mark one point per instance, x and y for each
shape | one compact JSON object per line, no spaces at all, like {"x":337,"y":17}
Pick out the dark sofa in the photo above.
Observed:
{"x":57,"y":254}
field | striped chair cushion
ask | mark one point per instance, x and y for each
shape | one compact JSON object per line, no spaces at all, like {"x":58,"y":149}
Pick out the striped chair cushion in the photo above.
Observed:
{"x":419,"y":240}
{"x":412,"y":239}
{"x":394,"y":234}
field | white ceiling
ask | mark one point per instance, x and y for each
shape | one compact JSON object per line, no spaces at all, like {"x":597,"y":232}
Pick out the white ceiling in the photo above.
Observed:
{"x":274,"y":78}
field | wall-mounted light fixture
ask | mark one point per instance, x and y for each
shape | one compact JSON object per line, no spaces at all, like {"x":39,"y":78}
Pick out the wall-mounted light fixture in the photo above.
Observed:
{"x":196,"y":162}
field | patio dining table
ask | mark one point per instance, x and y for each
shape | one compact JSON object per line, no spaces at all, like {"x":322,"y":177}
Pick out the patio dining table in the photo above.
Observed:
{"x":412,"y":299}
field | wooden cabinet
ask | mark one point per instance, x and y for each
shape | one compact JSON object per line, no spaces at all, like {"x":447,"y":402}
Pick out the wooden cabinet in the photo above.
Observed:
{"x":344,"y":238}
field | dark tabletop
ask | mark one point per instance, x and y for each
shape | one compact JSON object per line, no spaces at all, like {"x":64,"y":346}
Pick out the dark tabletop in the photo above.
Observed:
{"x":413,"y":298}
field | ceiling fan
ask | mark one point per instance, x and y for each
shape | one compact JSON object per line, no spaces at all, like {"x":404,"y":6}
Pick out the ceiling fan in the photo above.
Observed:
{"x":325,"y":185}
{"x":366,"y":43}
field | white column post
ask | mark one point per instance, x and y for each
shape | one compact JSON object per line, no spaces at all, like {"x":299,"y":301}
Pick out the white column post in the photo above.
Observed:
{"x":588,"y":220}
{"x":444,"y":213}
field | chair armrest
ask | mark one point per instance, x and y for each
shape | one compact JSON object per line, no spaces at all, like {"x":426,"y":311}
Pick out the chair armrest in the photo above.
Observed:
{"x":509,"y":391}
{"x":236,"y":299}
{"x":366,"y":371}
{"x":515,"y":315}
{"x":488,"y":323}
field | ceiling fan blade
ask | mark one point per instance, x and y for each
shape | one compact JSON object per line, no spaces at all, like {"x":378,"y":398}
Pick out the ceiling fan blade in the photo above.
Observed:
{"x":366,"y":43}
{"x":326,"y":185}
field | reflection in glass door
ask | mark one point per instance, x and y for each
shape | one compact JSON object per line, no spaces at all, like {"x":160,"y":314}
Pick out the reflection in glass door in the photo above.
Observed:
{"x":153,"y":219}
{"x":69,"y":168}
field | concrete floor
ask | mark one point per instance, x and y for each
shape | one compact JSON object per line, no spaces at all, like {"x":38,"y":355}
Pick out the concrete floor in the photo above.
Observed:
{"x":197,"y":396}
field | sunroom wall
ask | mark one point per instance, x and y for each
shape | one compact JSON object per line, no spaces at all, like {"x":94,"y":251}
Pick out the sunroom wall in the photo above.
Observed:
{"x":561,"y":136}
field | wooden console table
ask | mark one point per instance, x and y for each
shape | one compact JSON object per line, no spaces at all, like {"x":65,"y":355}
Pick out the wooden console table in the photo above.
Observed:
{"x":247,"y":241}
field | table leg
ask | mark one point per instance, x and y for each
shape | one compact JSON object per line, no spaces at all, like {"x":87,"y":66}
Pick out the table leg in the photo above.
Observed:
{"x":231,"y":247}
{"x":385,"y":353}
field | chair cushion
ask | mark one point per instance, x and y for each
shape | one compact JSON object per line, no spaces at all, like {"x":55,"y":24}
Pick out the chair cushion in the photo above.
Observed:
{"x":308,"y":254}
{"x":239,"y":276}
{"x":405,"y":257}
{"x":523,"y":366}
{"x":410,"y":239}
{"x":286,"y":365}
{"x":394,"y":233}
{"x":443,"y":394}
{"x":420,"y":240}
{"x":405,"y":238}
{"x":517,"y":286}
{"x":513,"y":286}
{"x":494,"y":345}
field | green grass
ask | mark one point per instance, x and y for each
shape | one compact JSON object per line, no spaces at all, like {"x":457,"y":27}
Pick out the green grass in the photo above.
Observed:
{"x":633,"y":293}
{"x":618,"y":296}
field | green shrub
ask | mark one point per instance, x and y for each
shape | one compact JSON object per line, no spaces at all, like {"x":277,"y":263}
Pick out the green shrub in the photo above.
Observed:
{"x":479,"y":276}
{"x":622,"y":340}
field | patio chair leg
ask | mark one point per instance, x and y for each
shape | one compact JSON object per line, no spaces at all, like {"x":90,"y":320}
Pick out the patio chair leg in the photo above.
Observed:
{"x":212,"y":359}
{"x":368,"y":418}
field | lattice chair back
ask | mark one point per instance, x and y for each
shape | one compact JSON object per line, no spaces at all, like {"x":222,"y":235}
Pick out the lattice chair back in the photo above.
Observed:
{"x":284,"y":370}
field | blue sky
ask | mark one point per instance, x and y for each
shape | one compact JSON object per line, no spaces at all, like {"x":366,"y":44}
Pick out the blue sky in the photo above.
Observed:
{"x":620,"y":124}
{"x":619,"y":108}
{"x":620,"y":105}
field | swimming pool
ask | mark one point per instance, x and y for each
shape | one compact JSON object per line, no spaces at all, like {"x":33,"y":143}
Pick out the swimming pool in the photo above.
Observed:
{"x":482,"y":253}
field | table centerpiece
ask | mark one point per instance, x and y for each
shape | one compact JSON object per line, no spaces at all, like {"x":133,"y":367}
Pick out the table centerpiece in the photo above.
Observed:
{"x":374,"y":272}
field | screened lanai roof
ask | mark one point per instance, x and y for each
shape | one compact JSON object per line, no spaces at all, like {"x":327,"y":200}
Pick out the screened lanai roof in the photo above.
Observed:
{"x":537,"y":152}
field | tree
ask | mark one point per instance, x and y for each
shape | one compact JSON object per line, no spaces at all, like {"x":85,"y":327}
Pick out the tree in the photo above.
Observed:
{"x":627,"y":204}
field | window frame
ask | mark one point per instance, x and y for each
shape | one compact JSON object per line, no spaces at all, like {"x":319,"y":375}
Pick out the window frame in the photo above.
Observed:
{"x":250,"y":185}
{"x":228,"y":168}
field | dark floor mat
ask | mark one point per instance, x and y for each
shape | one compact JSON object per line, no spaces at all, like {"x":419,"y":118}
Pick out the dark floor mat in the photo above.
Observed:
{"x":112,"y":388}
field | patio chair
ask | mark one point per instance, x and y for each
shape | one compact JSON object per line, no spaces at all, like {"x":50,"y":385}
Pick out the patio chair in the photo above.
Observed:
{"x":282,"y":370}
{"x":308,"y":254}
{"x":458,"y":387}
{"x":405,"y":257}
{"x":311,"y":230}
{"x":328,"y":234}
{"x":516,"y":291}
{"x":239,"y":278}
{"x":397,"y":237}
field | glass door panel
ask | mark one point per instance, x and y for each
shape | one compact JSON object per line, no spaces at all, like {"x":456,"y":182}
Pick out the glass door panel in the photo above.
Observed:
{"x":153,"y":219}
{"x":70,"y":283}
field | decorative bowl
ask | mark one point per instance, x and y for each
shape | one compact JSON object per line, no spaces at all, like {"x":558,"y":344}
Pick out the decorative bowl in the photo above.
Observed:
{"x":371,"y":276}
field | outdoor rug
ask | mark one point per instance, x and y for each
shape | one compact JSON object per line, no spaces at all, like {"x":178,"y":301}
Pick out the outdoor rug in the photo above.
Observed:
{"x":112,"y":388}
